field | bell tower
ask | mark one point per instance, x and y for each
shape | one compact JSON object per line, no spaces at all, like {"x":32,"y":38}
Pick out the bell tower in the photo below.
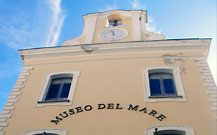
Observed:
{"x":114,"y":26}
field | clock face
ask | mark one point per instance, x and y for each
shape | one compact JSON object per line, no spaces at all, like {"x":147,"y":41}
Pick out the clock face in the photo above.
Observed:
{"x":113,"y":34}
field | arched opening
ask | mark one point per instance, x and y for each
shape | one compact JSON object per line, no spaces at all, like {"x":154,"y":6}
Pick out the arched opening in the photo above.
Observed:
{"x":46,"y":132}
{"x":114,"y":20}
{"x":169,"y":132}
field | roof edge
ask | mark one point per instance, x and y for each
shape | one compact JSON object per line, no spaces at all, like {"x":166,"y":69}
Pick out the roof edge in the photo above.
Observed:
{"x":117,"y":42}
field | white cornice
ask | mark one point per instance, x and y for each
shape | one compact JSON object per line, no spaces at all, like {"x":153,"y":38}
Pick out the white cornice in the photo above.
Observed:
{"x":172,"y":45}
{"x":122,"y":12}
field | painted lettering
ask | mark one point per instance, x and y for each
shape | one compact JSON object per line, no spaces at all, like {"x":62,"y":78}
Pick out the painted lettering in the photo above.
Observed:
{"x":143,"y":110}
{"x":79,"y":109}
{"x":65,"y":114}
{"x":101,"y":106}
{"x":71,"y":111}
{"x":110,"y":106}
{"x":152,"y":113}
{"x":161,"y":117}
{"x":118,"y":107}
{"x":133,"y":108}
{"x":88,"y":108}
{"x":57,"y":120}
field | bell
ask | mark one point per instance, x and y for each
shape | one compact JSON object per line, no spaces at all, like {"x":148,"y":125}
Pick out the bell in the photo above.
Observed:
{"x":115,"y":23}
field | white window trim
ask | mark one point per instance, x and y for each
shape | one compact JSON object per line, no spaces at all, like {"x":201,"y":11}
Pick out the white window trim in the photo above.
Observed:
{"x":177,"y":80}
{"x":46,"y":84}
{"x":188,"y":130}
{"x":40,"y":131}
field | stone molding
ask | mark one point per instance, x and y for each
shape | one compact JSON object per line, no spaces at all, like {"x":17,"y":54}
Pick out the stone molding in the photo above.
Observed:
{"x":16,"y":91}
{"x":208,"y":82}
{"x":121,"y":12}
{"x":200,"y":46}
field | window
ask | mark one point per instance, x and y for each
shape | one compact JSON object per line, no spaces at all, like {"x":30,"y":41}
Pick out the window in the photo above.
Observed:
{"x":170,"y":130}
{"x":58,"y":89}
{"x":163,"y":84}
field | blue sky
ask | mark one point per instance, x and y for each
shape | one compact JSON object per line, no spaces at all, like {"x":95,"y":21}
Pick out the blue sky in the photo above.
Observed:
{"x":40,"y":23}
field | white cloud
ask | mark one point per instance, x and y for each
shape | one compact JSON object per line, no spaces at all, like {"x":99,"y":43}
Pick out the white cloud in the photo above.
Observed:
{"x":15,"y":30}
{"x":152,"y":26}
{"x":113,"y":6}
{"x":22,"y":29}
{"x":57,"y":21}
{"x":136,"y":5}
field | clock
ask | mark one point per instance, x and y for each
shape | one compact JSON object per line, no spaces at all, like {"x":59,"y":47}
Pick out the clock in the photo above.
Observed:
{"x":113,"y":34}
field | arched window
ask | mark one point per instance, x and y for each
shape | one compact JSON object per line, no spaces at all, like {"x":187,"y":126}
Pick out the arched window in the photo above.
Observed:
{"x":114,"y":20}
{"x":46,"y":132}
{"x":169,"y":130}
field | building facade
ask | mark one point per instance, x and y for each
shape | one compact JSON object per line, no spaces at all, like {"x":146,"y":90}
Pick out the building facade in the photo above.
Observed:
{"x":116,"y":78}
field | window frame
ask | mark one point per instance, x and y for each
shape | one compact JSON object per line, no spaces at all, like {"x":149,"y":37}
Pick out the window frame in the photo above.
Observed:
{"x":188,"y":130}
{"x":46,"y":84}
{"x":177,"y":82}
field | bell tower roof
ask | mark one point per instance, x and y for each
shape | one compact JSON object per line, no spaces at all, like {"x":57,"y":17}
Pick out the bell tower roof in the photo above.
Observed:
{"x":114,"y":26}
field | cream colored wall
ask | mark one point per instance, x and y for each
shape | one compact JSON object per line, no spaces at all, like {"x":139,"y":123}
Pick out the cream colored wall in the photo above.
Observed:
{"x":144,"y":36}
{"x":112,"y":79}
{"x":101,"y":26}
{"x":81,"y":40}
